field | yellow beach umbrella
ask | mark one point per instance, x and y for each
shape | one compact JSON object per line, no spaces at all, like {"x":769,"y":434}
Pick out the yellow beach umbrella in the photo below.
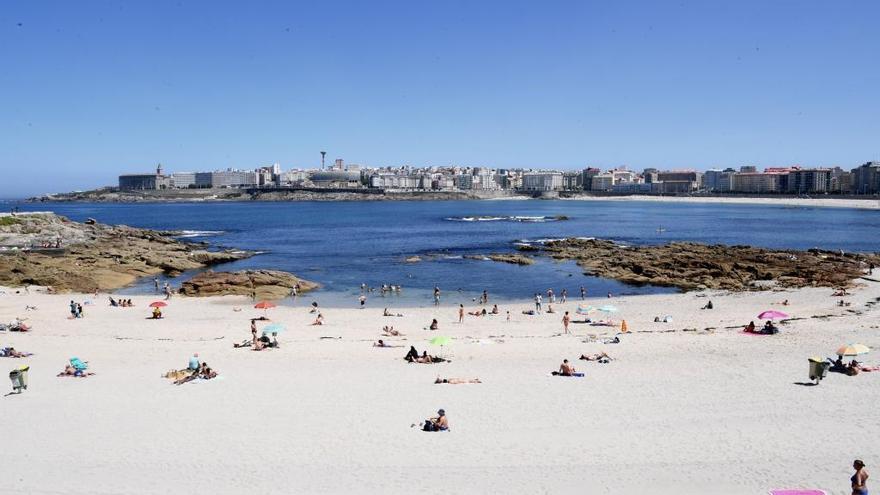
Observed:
{"x":853,"y":350}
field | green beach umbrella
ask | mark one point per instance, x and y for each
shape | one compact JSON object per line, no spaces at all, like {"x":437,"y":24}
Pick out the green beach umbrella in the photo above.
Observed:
{"x":441,"y":341}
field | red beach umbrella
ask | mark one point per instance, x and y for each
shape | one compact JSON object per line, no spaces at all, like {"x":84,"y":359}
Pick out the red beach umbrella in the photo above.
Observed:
{"x":158,"y":304}
{"x":264,"y":305}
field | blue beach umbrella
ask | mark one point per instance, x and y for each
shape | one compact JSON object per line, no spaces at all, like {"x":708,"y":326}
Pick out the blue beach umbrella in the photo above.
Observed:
{"x":608,"y":309}
{"x":585,"y":310}
{"x":273,"y":328}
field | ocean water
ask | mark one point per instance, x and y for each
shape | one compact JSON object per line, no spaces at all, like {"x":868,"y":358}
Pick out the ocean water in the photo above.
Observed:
{"x":344,"y":244}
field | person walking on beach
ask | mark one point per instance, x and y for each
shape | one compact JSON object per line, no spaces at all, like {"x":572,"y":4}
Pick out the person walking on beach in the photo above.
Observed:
{"x":583,"y":293}
{"x":167,"y":291}
{"x":564,"y":294}
{"x":859,"y":479}
{"x":565,"y":321}
{"x":436,"y":296}
{"x":363,"y":300}
{"x":551,"y":297}
{"x":537,"y":302}
{"x":460,"y":313}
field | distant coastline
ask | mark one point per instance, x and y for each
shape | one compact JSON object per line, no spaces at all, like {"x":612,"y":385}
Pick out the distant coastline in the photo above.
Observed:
{"x":315,"y":194}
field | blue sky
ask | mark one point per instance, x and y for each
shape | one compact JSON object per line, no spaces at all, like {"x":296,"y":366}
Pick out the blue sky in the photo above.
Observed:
{"x":90,"y":89}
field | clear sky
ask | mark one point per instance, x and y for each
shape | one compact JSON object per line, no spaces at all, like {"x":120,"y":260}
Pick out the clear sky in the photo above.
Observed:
{"x":91,"y":89}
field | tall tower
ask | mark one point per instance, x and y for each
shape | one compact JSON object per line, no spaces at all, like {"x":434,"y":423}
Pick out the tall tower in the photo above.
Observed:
{"x":323,"y":154}
{"x":159,"y":169}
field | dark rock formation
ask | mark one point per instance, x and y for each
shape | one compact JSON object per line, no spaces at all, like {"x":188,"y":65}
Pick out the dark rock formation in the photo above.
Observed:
{"x":690,"y":266}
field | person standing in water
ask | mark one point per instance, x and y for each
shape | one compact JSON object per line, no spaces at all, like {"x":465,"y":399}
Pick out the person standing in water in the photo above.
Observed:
{"x":436,"y":296}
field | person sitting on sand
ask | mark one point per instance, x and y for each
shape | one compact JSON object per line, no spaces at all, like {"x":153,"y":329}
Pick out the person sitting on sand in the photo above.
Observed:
{"x":837,"y":365}
{"x":769,"y":328}
{"x":319,"y":320}
{"x":157,"y":313}
{"x":412,"y":354}
{"x":434,"y":324}
{"x":113,"y":302}
{"x":437,"y":423}
{"x":206,"y":373}
{"x":550,"y":308}
{"x":565,"y":369}
{"x":750,"y":328}
{"x":708,"y":305}
{"x":495,"y":310}
{"x":193,"y":362}
{"x":785,"y":302}
{"x":456,"y":381}
{"x":425,"y":358}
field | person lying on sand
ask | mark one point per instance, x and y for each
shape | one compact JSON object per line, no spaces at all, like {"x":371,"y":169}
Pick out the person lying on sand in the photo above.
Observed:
{"x":244,"y":343}
{"x":843,"y":303}
{"x":456,"y":381}
{"x":601,"y":357}
{"x":426,"y":358}
{"x":478,"y":312}
{"x":389,"y":331}
{"x":840,"y":293}
{"x":76,"y":367}
{"x":204,"y":372}
{"x":10,"y":352}
{"x":530,"y":312}
{"x":388,"y":313}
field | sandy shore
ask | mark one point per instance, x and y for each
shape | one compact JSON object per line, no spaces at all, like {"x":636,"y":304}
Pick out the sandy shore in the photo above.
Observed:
{"x":692,"y":406}
{"x":817,"y":202}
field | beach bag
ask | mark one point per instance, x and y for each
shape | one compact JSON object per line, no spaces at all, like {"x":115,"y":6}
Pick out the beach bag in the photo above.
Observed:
{"x":429,"y":426}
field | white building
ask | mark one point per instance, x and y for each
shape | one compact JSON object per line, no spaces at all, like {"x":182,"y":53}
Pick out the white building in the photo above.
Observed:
{"x":542,"y":181}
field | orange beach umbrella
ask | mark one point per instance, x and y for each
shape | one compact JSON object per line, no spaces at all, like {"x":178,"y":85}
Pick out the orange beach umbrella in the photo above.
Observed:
{"x":264,"y":305}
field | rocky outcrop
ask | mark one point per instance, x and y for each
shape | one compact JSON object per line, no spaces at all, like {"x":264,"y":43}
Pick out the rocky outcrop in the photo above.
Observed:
{"x":259,"y":284}
{"x":512,"y":258}
{"x":50,"y":250}
{"x":691,"y":266}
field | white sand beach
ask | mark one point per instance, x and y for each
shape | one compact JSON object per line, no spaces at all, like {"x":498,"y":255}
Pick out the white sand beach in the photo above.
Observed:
{"x":816,"y":202}
{"x":692,"y":406}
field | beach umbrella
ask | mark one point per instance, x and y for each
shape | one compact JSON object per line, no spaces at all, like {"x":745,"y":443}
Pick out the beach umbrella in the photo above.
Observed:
{"x":608,"y":309}
{"x":264,"y":305}
{"x":274,"y":328}
{"x":853,"y":350}
{"x":772,"y":314}
{"x":584,"y":310}
{"x":441,"y":341}
{"x":158,"y":304}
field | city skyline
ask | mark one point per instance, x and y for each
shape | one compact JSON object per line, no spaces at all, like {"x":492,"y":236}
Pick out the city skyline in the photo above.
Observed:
{"x":90,"y":91}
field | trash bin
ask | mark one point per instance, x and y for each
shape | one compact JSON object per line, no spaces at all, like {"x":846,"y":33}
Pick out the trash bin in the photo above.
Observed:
{"x":19,"y":379}
{"x":818,"y":369}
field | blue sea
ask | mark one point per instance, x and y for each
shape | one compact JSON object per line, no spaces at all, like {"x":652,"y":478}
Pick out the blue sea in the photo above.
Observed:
{"x":344,"y":244}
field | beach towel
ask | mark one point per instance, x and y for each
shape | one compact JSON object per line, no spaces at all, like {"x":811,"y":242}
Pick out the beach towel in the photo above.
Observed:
{"x":573,"y":375}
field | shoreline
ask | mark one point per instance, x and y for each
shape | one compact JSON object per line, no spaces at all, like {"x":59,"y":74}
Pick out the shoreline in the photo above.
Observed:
{"x":269,"y":196}
{"x":697,"y":379}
